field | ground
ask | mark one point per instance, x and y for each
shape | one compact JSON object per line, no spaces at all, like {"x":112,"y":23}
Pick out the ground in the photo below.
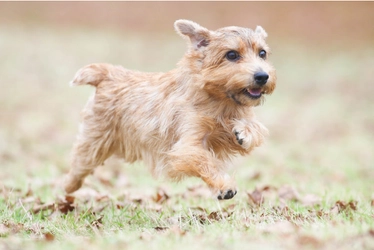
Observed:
{"x":310,"y":186}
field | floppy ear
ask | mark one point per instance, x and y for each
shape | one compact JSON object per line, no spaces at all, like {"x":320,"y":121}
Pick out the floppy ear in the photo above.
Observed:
{"x":259,"y":30}
{"x":198,"y":35}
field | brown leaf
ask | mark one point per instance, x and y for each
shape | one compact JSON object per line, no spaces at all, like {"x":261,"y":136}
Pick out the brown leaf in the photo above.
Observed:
{"x":372,"y":203}
{"x":70,"y":198}
{"x":202,"y":218}
{"x":353,"y":205}
{"x":29,"y":192}
{"x":256,"y":197}
{"x":215,"y":216}
{"x":161,"y":228}
{"x":268,"y":188}
{"x":66,"y":205}
{"x":255,"y":176}
{"x":341,"y":206}
{"x":371,"y":232}
{"x":161,"y":196}
{"x":49,"y":237}
{"x":98,"y":223}
{"x":288,"y":193}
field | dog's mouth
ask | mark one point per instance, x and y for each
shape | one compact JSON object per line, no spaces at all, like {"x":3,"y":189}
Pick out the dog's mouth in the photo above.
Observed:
{"x":253,"y":93}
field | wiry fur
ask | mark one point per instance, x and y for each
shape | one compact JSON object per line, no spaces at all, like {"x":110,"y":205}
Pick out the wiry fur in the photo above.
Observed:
{"x":186,"y":122}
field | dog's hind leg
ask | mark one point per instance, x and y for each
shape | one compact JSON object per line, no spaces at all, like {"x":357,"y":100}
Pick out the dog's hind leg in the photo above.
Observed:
{"x":88,"y":153}
{"x":94,"y":144}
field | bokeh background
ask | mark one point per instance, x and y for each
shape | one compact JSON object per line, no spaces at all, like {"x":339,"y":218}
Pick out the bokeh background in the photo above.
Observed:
{"x":321,"y":116}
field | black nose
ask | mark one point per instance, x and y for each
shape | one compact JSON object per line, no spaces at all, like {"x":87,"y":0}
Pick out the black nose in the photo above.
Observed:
{"x":261,"y":77}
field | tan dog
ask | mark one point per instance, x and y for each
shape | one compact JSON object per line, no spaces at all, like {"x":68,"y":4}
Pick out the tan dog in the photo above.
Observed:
{"x":187,"y":122}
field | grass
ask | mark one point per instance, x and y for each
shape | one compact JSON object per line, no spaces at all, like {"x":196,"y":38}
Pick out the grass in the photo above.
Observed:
{"x":314,"y":176}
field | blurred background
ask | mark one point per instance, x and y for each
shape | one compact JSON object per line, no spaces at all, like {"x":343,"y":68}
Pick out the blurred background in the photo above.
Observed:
{"x":321,"y":116}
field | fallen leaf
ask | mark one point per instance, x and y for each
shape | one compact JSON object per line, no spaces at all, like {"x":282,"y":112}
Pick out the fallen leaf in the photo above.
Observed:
{"x":256,"y":197}
{"x":255,"y":176}
{"x":49,"y":236}
{"x":29,"y":192}
{"x":288,"y":193}
{"x":341,"y":206}
{"x":98,"y":223}
{"x":161,"y":228}
{"x":70,"y":198}
{"x":371,"y":232}
{"x":66,"y":205}
{"x":161,"y":196}
{"x":268,"y":188}
{"x":215,"y":216}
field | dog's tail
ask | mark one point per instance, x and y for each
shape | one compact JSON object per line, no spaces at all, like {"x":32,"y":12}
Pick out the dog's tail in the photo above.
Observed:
{"x":92,"y":74}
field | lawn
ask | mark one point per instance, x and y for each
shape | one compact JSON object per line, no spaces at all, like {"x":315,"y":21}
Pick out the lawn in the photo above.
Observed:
{"x":309,"y":187}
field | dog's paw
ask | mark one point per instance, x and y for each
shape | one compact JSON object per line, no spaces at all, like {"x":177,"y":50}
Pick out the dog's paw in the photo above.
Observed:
{"x":222,"y":186}
{"x":226,"y":194}
{"x":243,"y":138}
{"x":250,"y":134}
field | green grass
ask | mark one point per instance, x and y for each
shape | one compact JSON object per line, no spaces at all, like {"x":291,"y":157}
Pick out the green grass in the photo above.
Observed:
{"x":321,"y":144}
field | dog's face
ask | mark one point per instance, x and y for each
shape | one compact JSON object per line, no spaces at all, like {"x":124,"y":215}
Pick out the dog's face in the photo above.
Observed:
{"x":232,"y":62}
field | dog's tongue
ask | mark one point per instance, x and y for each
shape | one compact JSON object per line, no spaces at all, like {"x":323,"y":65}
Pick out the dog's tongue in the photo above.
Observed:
{"x":255,"y":91}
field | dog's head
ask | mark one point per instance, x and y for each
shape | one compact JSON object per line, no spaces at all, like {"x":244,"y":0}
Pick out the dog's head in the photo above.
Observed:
{"x":231,"y":62}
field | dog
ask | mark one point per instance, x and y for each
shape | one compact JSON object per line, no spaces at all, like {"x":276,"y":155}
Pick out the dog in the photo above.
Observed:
{"x":188,"y":122}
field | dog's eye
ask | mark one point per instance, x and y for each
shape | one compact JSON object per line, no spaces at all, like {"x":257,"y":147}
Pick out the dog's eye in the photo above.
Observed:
{"x":232,"y":55}
{"x":262,"y":54}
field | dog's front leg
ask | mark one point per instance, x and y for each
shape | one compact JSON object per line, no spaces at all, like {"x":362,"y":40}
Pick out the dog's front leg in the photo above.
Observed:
{"x":249,"y":133}
{"x":193,"y":160}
